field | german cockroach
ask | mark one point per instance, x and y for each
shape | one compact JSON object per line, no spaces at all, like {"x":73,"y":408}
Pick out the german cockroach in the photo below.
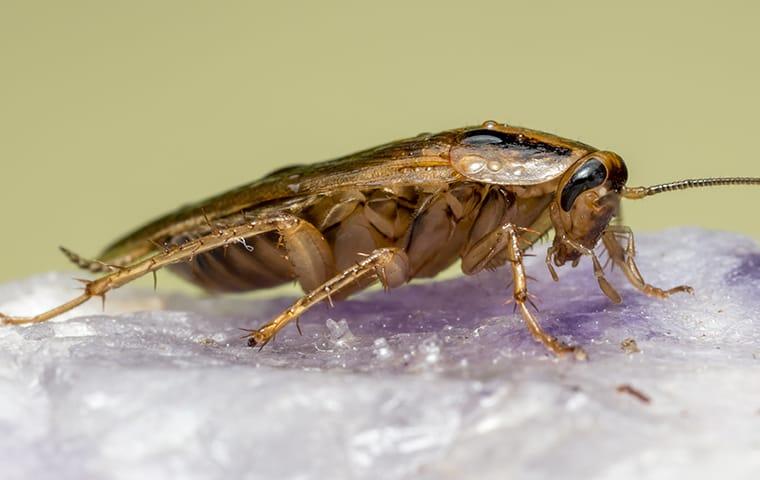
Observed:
{"x":399,"y":211}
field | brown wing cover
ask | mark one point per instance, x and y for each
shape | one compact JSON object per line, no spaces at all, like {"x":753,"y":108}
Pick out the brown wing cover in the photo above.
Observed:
{"x":421,"y":159}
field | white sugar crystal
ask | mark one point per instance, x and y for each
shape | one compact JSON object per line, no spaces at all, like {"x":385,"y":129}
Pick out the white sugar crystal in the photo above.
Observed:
{"x":340,"y":334}
{"x":430,"y":349}
{"x":381,"y":349}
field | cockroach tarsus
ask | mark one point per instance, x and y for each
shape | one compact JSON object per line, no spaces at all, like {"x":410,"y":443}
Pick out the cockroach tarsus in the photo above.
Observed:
{"x":403,"y":210}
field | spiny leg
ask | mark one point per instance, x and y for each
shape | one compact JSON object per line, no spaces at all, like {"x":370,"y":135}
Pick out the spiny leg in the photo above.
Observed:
{"x":624,"y":258}
{"x":390,"y":265}
{"x":520,"y":295}
{"x":218,"y":238}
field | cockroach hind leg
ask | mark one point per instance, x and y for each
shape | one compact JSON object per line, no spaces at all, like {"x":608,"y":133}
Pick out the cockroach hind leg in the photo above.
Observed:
{"x":45,"y":316}
{"x":124,"y":275}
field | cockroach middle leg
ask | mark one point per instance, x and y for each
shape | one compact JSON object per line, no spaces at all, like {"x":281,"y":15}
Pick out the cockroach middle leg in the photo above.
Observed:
{"x":389,"y":265}
{"x":520,"y":295}
{"x":624,"y":258}
{"x":218,"y":238}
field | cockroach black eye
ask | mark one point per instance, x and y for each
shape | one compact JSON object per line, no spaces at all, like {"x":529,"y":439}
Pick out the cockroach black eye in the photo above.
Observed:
{"x":591,"y":174}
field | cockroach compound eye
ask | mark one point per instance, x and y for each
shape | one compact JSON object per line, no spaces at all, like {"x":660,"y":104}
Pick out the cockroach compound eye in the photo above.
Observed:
{"x":406,"y":209}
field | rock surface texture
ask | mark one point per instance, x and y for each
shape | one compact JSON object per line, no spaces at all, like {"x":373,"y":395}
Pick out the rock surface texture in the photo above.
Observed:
{"x":430,"y":381}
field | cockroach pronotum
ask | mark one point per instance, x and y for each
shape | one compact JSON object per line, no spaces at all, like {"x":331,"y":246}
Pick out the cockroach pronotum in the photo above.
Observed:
{"x":403,"y":210}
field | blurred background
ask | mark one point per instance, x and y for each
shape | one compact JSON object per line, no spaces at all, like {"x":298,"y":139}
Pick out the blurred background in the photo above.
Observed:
{"x":112,"y":113}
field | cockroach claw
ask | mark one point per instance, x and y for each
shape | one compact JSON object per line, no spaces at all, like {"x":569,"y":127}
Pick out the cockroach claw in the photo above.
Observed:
{"x":260,"y":337}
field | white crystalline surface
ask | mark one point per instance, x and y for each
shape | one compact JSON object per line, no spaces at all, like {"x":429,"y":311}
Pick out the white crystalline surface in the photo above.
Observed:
{"x":430,"y":381}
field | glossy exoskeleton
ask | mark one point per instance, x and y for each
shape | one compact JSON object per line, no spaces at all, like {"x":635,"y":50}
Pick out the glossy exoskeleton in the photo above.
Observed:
{"x":399,"y":211}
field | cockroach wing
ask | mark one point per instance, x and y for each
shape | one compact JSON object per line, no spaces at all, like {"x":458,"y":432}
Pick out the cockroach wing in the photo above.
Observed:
{"x":415,"y":161}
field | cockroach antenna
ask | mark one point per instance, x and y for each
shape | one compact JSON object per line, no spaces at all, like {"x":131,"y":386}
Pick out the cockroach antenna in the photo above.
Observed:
{"x":641,"y":192}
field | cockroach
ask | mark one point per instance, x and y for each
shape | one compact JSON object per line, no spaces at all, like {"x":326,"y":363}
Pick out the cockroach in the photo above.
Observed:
{"x":407,"y":209}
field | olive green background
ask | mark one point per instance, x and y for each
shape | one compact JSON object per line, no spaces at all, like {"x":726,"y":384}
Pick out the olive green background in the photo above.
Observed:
{"x":114,"y":112}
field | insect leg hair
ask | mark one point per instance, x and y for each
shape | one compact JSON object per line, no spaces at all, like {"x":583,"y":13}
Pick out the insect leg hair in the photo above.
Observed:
{"x":390,"y":265}
{"x":218,"y":238}
{"x":623,"y":258}
{"x":520,"y":294}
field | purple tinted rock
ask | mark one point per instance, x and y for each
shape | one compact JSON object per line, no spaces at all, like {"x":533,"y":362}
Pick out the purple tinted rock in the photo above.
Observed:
{"x":432,"y":380}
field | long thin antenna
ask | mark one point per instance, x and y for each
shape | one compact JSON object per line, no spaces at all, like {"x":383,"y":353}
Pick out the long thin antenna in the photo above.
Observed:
{"x":641,"y":192}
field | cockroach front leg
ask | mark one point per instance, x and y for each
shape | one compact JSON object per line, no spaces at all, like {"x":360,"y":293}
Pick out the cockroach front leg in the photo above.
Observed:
{"x":520,"y":295}
{"x":604,"y":285}
{"x":624,"y":258}
{"x":389,"y":265}
{"x":218,"y":238}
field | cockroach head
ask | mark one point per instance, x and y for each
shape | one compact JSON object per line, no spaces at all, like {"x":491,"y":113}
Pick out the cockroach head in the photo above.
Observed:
{"x":593,"y":178}
{"x":587,"y":198}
